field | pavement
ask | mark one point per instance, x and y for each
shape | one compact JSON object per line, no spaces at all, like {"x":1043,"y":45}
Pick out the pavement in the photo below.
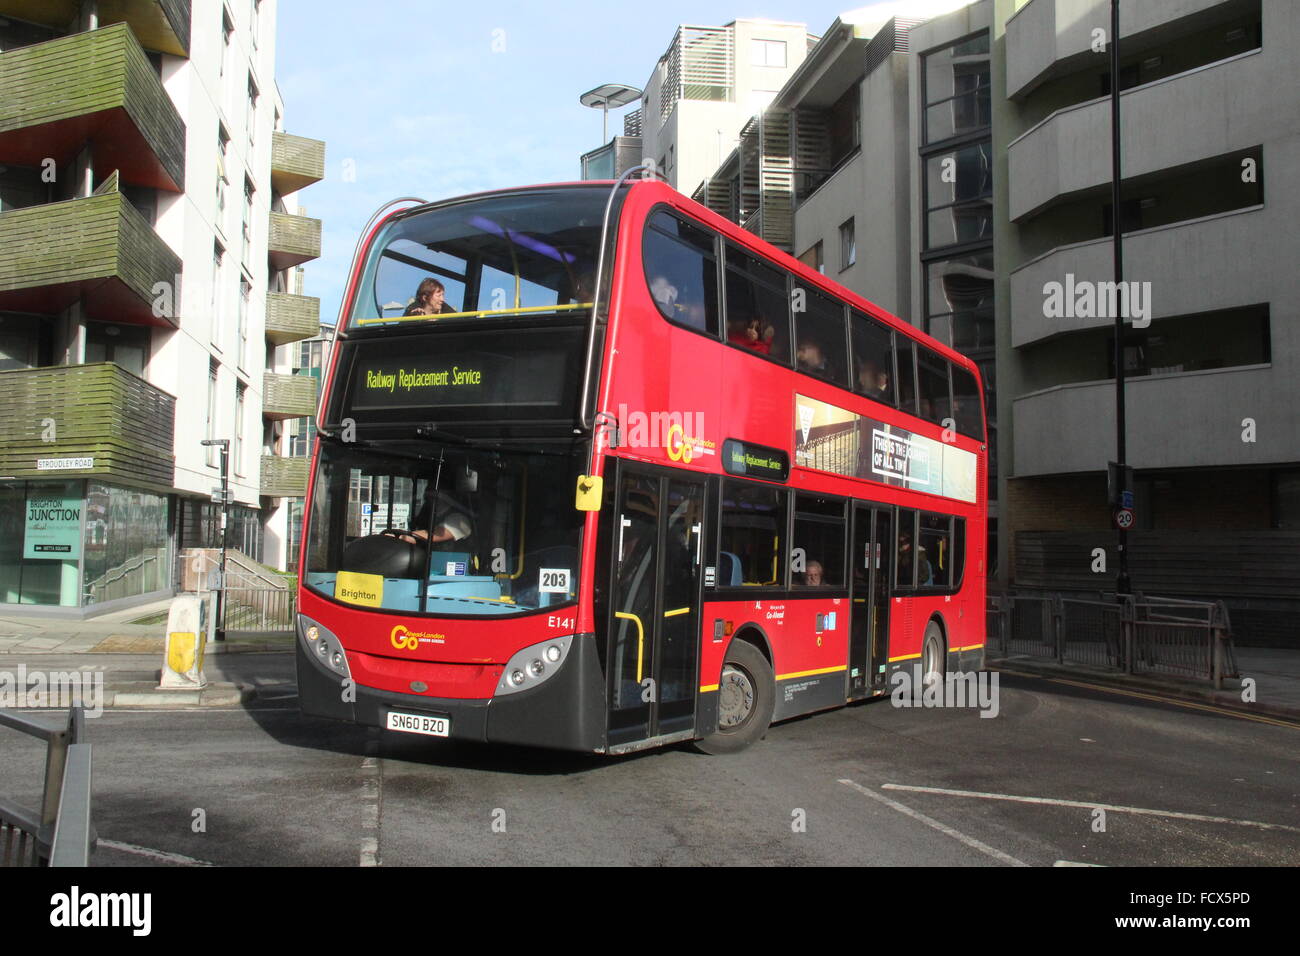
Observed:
{"x":121,"y":651}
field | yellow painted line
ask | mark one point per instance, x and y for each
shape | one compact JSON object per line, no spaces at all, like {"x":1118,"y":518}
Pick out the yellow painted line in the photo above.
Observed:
{"x":1191,"y":705}
{"x":968,"y":647}
{"x":677,"y":613}
{"x":640,"y":639}
{"x":823,"y":670}
{"x":705,"y":688}
{"x":905,"y":657}
{"x":479,"y":314}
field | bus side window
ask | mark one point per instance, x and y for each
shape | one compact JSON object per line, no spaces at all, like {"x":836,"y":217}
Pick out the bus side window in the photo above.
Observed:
{"x":819,"y":335}
{"x":935,"y":551}
{"x":681,"y":273}
{"x":753,"y":533}
{"x":906,"y":375}
{"x":818,"y":552}
{"x":966,"y":398}
{"x":906,"y":555}
{"x":873,"y":360}
{"x":932,"y":385}
{"x":758,"y":311}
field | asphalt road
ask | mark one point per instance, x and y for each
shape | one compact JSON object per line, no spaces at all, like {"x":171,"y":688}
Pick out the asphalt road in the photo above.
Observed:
{"x":868,"y":784}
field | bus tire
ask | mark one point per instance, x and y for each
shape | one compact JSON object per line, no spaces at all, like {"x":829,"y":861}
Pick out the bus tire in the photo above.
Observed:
{"x":746,"y":699}
{"x":933,"y":658}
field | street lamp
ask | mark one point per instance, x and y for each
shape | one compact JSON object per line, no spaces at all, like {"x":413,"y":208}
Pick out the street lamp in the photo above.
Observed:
{"x":224,"y":494}
{"x":1121,"y":493}
{"x":606,"y":96}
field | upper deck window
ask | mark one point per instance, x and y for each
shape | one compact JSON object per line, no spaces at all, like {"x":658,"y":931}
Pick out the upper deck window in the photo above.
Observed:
{"x":523,"y":253}
{"x":682,"y":272}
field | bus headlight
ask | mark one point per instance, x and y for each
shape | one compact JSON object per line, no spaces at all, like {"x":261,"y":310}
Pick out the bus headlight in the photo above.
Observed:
{"x":328,"y":648}
{"x":530,"y":666}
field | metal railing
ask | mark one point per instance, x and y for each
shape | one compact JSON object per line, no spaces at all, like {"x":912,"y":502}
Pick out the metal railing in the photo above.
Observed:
{"x":1139,"y":635}
{"x":59,"y":833}
{"x":259,"y":609}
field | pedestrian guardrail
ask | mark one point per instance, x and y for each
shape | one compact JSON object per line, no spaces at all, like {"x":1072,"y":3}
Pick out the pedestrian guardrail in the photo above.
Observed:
{"x":1138,"y":634}
{"x":59,"y":833}
{"x":259,"y":609}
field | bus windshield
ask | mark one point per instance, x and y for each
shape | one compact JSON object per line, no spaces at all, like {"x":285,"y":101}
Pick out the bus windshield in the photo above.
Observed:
{"x":444,"y":530}
{"x":528,"y":252}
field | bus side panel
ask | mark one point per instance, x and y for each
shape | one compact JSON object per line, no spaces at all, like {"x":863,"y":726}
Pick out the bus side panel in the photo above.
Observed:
{"x":808,"y":663}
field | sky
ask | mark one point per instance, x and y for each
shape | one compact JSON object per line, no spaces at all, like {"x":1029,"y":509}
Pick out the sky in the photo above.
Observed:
{"x":436,"y":99}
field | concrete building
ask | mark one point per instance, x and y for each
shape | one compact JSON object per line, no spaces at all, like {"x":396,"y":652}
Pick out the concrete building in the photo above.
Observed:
{"x":708,"y":84}
{"x":1211,"y":143}
{"x":147,"y":231}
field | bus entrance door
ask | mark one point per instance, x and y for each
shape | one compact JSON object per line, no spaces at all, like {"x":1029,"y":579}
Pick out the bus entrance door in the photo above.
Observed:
{"x":654,"y":632}
{"x":869,"y":634}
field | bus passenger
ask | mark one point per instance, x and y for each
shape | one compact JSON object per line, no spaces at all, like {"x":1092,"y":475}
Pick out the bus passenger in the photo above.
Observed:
{"x":810,"y":357}
{"x":429,"y":299}
{"x":873,"y":381}
{"x":755,"y":334}
{"x":665,"y":294}
{"x":814,"y":575}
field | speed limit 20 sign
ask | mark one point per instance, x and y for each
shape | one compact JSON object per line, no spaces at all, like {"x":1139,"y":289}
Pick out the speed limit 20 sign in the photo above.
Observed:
{"x":1124,"y":518}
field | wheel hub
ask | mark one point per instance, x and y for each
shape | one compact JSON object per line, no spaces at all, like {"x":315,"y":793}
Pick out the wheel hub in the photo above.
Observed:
{"x":735,"y":697}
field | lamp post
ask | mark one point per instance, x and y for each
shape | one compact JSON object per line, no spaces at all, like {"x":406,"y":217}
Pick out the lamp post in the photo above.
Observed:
{"x":224,"y":445}
{"x":1122,"y":505}
{"x":605,"y":96}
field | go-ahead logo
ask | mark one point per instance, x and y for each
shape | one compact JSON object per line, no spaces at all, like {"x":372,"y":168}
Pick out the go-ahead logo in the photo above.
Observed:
{"x":405,"y":639}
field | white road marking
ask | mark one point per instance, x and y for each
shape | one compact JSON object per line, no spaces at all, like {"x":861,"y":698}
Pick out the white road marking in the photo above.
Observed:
{"x":935,"y":824}
{"x":1083,"y":804}
{"x":160,"y":855}
{"x":371,"y":784}
{"x":1073,"y":863}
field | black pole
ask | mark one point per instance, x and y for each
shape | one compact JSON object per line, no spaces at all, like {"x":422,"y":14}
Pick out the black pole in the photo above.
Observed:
{"x":225,"y":513}
{"x":1122,"y":585}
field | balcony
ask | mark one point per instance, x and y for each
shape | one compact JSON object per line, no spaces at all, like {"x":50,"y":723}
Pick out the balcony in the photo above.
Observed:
{"x":97,"y":88}
{"x":121,"y":425}
{"x":295,"y":162}
{"x":97,"y":249}
{"x":1177,"y":121}
{"x":161,"y":25}
{"x":1186,"y":420}
{"x":294,"y":240}
{"x":288,"y":396}
{"x":291,"y":318}
{"x":1217,"y":262}
{"x":1049,"y":38}
{"x":283,"y":477}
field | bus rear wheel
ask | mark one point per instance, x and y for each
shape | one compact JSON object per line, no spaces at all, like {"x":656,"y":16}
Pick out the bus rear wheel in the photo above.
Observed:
{"x":746,"y":699}
{"x":932,"y":658}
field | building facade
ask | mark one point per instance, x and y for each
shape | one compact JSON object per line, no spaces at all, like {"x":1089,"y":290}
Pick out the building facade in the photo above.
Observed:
{"x":147,"y":230}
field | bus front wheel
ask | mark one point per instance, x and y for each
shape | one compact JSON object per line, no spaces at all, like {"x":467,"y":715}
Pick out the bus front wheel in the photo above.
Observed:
{"x":746,"y":698}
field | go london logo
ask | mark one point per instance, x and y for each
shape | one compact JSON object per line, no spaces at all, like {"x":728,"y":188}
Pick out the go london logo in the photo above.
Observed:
{"x":77,"y":909}
{"x":404,"y":639}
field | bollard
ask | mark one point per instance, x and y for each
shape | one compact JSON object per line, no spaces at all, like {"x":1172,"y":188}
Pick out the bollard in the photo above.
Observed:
{"x":187,"y":624}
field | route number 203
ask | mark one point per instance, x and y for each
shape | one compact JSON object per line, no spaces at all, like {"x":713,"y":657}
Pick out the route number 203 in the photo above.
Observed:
{"x":553,"y":581}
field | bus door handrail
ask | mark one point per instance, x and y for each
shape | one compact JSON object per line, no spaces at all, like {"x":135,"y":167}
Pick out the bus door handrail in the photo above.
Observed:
{"x":587,"y":419}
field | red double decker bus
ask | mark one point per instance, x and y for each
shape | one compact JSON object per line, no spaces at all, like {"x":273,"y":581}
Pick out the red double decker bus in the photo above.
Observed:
{"x":599,"y":470}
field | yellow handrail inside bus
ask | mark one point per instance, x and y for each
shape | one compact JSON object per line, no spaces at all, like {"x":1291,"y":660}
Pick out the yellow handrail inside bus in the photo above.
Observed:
{"x":678,"y":612}
{"x":776,"y":545}
{"x":479,"y":313}
{"x":640,"y":639}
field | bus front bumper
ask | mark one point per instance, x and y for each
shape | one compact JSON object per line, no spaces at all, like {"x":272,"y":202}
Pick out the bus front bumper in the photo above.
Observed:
{"x":566,"y":711}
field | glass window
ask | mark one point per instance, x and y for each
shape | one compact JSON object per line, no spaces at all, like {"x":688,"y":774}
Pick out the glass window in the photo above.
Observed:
{"x":495,"y":254}
{"x":481,"y":527}
{"x":959,"y":301}
{"x":753,"y":529}
{"x":848,"y":245}
{"x":126,"y":345}
{"x":682,"y":272}
{"x":758,"y":316}
{"x":767,"y":53}
{"x":873,"y":358}
{"x":128,"y":544}
{"x":905,"y":565}
{"x":818,"y":542}
{"x":819,"y":336}
{"x":934,"y":553}
{"x":19,"y":341}
{"x":237,"y":465}
{"x":966,"y":399}
{"x":906,"y":375}
{"x":956,"y":88}
{"x":813,"y":258}
{"x":932,"y":385}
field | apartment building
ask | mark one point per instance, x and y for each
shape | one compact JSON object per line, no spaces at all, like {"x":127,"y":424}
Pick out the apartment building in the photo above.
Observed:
{"x":1210,"y":111}
{"x":148,"y":231}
